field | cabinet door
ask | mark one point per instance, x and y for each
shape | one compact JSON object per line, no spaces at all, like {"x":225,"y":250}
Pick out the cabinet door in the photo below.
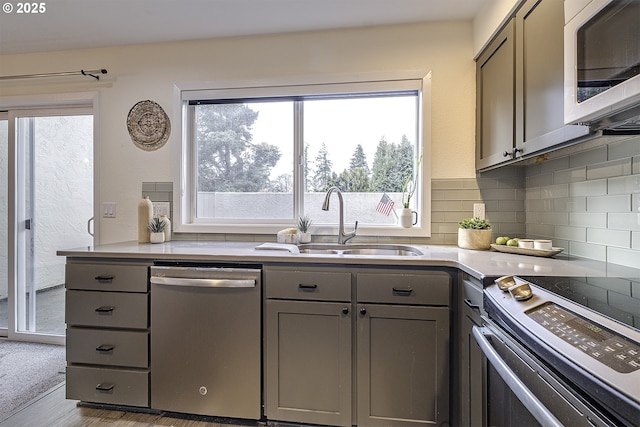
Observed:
{"x":540,"y":77}
{"x":402,"y":365}
{"x":495,"y":100}
{"x":308,"y":362}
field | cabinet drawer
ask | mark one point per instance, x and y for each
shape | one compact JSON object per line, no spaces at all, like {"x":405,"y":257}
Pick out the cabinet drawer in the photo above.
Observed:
{"x":107,"y":277}
{"x":308,"y":285}
{"x":107,"y":309}
{"x":471,"y":300}
{"x":430,"y":288}
{"x":105,"y":347}
{"x":103,"y":385}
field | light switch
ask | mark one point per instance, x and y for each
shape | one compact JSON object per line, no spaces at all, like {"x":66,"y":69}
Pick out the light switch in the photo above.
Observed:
{"x":109,"y":209}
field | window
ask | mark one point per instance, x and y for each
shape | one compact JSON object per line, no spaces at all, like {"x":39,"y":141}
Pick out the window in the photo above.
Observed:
{"x":253,"y":159}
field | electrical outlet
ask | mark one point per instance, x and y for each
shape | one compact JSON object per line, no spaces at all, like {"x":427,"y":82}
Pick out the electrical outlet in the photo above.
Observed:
{"x":161,"y":208}
{"x":478,"y":210}
{"x":109,"y":210}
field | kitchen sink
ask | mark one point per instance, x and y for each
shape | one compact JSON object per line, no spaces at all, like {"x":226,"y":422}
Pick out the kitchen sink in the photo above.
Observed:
{"x":359,"y":249}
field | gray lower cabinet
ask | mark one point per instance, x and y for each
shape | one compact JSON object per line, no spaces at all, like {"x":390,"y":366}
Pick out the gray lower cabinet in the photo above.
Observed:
{"x":107,"y":316}
{"x":308,"y":346}
{"x":403,"y":348}
{"x":358,"y":346}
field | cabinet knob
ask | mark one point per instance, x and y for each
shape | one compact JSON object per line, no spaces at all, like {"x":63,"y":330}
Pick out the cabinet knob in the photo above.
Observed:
{"x":506,"y":154}
{"x":345,"y":310}
{"x":363,"y":311}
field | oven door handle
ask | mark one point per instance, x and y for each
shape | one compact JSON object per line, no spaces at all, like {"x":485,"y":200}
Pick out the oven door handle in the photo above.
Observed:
{"x":528,"y":399}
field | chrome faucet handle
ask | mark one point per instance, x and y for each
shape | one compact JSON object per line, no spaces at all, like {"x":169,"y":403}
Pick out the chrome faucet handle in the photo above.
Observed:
{"x":351,"y":234}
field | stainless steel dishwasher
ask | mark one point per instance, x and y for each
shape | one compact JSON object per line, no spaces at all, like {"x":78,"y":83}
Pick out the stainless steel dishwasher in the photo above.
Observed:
{"x":206,"y":340}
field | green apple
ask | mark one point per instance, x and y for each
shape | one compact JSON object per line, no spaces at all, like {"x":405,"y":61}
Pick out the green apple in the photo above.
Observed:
{"x":502,"y":240}
{"x":512,"y":242}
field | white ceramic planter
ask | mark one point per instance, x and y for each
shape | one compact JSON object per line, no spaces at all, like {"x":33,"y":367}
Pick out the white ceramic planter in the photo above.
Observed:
{"x":304,"y":237}
{"x":474,"y":239}
{"x":157,"y":237}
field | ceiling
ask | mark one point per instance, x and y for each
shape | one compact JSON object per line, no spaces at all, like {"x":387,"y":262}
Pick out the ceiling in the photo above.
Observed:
{"x":78,"y":24}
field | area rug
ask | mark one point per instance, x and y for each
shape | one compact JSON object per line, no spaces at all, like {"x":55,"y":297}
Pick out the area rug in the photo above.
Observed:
{"x":26,"y":371}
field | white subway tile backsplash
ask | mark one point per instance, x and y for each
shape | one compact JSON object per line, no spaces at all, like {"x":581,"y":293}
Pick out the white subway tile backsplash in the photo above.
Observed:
{"x":602,"y":236}
{"x":539,"y":180}
{"x":588,"y":188}
{"x":570,"y":204}
{"x":627,"y":148}
{"x":577,"y":234}
{"x":618,"y":203}
{"x":587,"y":219}
{"x":627,"y":257}
{"x":539,"y":205}
{"x":624,"y":184}
{"x":588,"y":157}
{"x":624,"y":221}
{"x":588,"y":250}
{"x":570,"y":175}
{"x":635,"y":240}
{"x":554,"y":191}
{"x":609,"y":169}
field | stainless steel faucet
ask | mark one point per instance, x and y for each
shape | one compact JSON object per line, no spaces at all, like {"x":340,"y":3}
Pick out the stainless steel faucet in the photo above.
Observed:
{"x":342,"y":236}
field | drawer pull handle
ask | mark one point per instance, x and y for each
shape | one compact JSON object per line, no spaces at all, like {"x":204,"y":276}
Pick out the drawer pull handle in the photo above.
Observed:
{"x":105,"y":387}
{"x":305,"y":286}
{"x":345,"y":310}
{"x":105,"y":348}
{"x":104,"y":279}
{"x":105,"y":309}
{"x":400,"y":291}
{"x":471,"y":305}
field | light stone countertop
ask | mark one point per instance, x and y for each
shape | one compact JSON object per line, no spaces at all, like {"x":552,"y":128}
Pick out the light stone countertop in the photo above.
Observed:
{"x":479,"y":264}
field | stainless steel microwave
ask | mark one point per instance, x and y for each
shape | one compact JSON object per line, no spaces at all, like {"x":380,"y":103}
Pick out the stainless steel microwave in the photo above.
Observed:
{"x":602,"y":63}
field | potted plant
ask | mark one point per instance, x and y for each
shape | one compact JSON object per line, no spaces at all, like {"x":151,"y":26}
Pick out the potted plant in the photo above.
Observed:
{"x":408,"y":217}
{"x":474,"y":233}
{"x":156,"y":227}
{"x":304,"y":229}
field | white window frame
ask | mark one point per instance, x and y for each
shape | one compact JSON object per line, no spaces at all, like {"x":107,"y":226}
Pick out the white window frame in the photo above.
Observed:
{"x":184,"y":174}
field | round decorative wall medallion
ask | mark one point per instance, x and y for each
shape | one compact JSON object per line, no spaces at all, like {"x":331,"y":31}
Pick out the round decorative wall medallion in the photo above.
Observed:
{"x":148,"y":125}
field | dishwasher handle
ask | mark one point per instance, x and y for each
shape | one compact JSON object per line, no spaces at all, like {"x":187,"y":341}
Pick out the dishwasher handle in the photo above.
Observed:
{"x":528,"y":399}
{"x":203,"y":283}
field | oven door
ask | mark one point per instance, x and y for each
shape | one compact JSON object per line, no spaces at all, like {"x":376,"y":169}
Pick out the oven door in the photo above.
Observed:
{"x":521,"y":391}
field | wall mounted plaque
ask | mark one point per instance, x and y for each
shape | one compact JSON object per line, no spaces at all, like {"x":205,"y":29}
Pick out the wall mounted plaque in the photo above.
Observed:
{"x":148,"y":125}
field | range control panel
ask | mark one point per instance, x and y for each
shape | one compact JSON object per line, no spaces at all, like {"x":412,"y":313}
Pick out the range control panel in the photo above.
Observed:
{"x":614,"y":350}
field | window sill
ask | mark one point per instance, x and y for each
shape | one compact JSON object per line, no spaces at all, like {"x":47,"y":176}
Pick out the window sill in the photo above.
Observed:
{"x":365,"y":231}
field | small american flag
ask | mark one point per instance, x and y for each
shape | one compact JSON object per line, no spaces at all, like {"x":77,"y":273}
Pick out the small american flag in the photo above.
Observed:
{"x":385,"y":206}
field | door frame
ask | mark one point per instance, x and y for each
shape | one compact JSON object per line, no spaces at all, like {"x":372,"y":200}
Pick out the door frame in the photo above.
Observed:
{"x":88,"y":100}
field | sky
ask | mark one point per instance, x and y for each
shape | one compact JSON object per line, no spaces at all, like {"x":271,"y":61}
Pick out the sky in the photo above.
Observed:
{"x":340,"y":125}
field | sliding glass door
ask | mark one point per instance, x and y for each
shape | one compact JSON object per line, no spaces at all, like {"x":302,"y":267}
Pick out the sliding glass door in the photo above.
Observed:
{"x":4,"y":213}
{"x":50,"y":207}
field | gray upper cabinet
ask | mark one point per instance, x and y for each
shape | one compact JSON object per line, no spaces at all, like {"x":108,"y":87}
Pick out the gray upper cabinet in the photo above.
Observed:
{"x":520,"y":83}
{"x":495,"y":86}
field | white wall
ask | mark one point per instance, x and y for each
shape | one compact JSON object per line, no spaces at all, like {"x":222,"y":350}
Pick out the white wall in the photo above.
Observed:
{"x":489,"y":19}
{"x":150,"y":71}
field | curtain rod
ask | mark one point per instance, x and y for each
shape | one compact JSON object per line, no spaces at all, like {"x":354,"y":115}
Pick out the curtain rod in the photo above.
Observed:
{"x":90,"y":73}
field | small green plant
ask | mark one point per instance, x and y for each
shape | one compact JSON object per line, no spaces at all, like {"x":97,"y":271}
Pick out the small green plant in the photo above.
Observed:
{"x":409,"y":186}
{"x":475,"y":224}
{"x":304,"y":224}
{"x":157,"y":225}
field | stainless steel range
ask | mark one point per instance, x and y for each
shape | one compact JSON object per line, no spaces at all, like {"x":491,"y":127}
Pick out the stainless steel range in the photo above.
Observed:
{"x":555,"y":361}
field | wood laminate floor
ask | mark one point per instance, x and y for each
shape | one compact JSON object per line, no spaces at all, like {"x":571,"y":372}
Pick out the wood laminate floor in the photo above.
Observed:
{"x":53,"y":410}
